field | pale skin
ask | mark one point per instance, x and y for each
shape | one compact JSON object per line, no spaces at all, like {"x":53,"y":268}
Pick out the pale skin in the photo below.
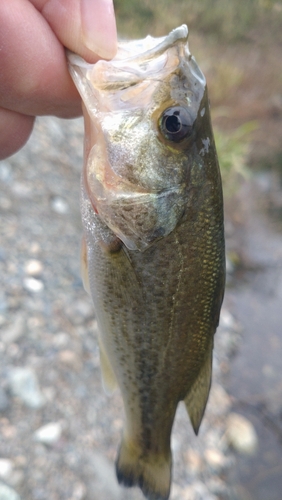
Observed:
{"x":34,"y":79}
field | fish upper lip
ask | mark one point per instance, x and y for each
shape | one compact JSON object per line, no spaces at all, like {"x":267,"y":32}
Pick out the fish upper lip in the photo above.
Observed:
{"x":136,"y":51}
{"x":161,"y":44}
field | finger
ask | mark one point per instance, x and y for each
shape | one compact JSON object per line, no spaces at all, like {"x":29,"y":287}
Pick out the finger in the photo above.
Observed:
{"x":34,"y":77}
{"x":15,"y":130}
{"x":86,"y":27}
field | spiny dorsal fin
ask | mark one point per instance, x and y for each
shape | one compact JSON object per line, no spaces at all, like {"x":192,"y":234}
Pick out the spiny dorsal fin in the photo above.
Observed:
{"x":197,"y":397}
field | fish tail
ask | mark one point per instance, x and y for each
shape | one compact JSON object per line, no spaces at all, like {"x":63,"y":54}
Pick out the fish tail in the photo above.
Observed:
{"x":150,"y":471}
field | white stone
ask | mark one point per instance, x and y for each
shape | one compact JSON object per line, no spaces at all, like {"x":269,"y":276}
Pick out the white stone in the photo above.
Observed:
{"x":33,"y":285}
{"x":215,"y":459}
{"x":49,"y":433}
{"x":33,"y":267}
{"x":34,"y":248}
{"x":194,"y":460}
{"x":7,"y":493}
{"x":14,"y":331}
{"x":226,"y":319}
{"x":61,"y":339}
{"x":219,"y":401}
{"x":241,"y":434}
{"x":6,"y":468}
{"x":197,"y":491}
{"x":59,"y":205}
{"x":79,"y":492}
{"x":23,"y":384}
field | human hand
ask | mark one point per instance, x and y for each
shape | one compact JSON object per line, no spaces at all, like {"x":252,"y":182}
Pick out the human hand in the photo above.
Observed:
{"x":34,"y":78}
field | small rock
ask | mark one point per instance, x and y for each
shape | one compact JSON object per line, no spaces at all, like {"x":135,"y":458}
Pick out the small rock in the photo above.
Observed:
{"x":4,"y":401}
{"x":24,"y":385}
{"x":7,"y":493}
{"x":219,"y":401}
{"x":61,"y":339}
{"x":8,"y":431}
{"x":70,"y":359}
{"x":6,"y":173}
{"x":226,"y":319}
{"x":5,"y":203}
{"x":17,"y":477}
{"x":6,"y":468}
{"x":13,"y":332}
{"x":241,"y":434}
{"x":217,"y":487}
{"x":230,"y":267}
{"x":215,"y":459}
{"x":20,"y":461}
{"x":33,"y":285}
{"x":104,"y":481}
{"x":194,"y":461}
{"x":21,"y":190}
{"x":176,"y":492}
{"x":34,"y":248}
{"x":59,"y":205}
{"x":49,"y":393}
{"x":33,"y":267}
{"x":197,"y":491}
{"x":214,"y":438}
{"x":175,"y":443}
{"x":79,"y":492}
{"x":49,"y":433}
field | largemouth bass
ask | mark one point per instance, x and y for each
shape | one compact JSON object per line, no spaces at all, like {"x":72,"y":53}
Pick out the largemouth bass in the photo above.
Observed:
{"x":153,"y":257}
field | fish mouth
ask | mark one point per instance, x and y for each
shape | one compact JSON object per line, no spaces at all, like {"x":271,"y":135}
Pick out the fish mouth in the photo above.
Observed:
{"x":134,"y":50}
{"x":135,"y":60}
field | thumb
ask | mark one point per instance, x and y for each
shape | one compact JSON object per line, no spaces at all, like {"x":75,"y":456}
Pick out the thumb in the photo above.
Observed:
{"x":86,"y":27}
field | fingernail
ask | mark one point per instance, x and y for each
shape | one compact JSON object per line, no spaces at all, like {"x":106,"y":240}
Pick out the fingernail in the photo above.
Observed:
{"x":99,"y":27}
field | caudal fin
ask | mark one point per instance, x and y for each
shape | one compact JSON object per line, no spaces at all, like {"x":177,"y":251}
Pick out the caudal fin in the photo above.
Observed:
{"x":151,"y":472}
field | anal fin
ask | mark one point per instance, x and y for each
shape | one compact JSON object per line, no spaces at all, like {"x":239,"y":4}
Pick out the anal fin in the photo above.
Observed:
{"x":197,"y":397}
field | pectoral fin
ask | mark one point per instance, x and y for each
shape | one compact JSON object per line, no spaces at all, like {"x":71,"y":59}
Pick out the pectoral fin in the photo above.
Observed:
{"x":84,"y":266}
{"x":108,"y":376}
{"x":197,"y":397}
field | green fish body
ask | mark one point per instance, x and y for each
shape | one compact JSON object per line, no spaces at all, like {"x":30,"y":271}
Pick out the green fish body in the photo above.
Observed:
{"x":153,"y":257}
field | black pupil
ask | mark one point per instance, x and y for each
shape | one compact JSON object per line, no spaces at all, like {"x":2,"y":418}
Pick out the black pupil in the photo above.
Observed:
{"x":173,"y":124}
{"x":176,"y":123}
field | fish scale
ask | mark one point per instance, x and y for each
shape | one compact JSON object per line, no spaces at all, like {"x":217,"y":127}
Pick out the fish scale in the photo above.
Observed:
{"x":154,"y":265}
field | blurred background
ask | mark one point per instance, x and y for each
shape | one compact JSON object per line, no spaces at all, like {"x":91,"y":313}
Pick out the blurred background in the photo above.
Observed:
{"x":58,"y":431}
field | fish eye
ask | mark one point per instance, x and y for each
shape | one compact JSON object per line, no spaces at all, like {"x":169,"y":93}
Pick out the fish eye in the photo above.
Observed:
{"x":176,"y":123}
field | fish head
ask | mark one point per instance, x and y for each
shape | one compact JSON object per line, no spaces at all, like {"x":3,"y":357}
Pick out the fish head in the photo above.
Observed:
{"x":143,"y":112}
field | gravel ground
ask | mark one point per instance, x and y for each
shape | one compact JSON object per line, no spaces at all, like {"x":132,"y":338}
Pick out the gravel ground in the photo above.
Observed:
{"x":58,"y":431}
